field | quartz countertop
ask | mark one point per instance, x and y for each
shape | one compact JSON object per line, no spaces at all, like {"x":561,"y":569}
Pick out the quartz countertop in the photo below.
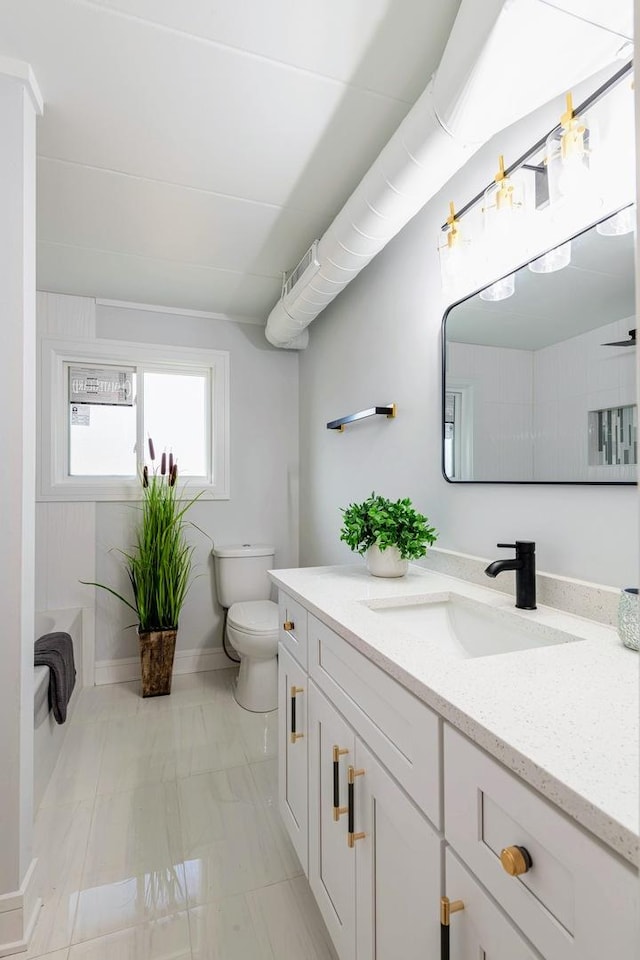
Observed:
{"x":562,"y":717}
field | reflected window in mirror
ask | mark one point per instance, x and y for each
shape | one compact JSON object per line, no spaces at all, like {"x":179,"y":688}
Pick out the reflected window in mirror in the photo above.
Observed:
{"x":541,"y":387}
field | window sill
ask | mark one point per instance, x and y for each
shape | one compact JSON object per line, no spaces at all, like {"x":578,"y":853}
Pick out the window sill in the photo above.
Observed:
{"x":122,"y":492}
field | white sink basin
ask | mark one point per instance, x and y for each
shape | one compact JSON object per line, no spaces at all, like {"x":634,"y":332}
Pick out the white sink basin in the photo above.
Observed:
{"x":466,"y":628}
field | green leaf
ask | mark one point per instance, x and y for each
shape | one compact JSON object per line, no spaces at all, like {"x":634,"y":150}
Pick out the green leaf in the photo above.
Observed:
{"x":159,"y":566}
{"x":387,"y":523}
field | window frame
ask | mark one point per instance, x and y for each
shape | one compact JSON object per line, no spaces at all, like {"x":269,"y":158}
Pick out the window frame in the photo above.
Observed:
{"x":53,"y":479}
{"x":463,"y":430}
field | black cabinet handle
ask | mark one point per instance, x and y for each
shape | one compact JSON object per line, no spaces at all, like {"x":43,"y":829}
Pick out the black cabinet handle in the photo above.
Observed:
{"x":295,"y":736}
{"x":447,"y":907}
{"x":337,"y":809}
{"x":352,"y":836}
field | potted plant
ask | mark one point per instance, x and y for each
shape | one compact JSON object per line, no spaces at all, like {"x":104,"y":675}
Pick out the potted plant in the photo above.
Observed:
{"x":390,"y":533}
{"x":159,"y":570}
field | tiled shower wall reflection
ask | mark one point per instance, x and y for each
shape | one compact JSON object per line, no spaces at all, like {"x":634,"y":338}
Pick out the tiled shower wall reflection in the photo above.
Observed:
{"x":613,"y":436}
{"x":571,"y":379}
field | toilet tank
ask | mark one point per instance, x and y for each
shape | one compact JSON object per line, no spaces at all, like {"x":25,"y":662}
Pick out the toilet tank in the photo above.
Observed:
{"x":241,"y":572}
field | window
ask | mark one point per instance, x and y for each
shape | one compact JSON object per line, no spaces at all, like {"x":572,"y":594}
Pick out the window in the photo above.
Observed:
{"x":101,"y":400}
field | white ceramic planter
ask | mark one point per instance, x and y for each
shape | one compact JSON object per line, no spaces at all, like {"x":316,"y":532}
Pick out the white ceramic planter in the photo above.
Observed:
{"x":386,"y":563}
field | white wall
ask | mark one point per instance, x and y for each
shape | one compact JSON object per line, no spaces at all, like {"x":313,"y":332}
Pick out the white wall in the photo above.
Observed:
{"x":264,"y":478}
{"x":66,"y":532}
{"x":18,"y":104}
{"x":380,"y":342}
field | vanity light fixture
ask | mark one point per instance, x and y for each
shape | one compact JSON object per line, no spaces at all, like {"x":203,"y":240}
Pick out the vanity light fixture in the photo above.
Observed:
{"x":535,"y":148}
{"x":556,"y":259}
{"x":501,"y":289}
{"x":569,"y":155}
{"x":619,"y":224}
{"x":566,"y":173}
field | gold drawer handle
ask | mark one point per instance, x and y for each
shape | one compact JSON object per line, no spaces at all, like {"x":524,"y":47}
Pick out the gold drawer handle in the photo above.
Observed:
{"x":515,"y":860}
{"x":288,"y":625}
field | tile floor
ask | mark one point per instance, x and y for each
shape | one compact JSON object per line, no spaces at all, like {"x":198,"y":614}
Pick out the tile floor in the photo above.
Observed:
{"x":159,"y":837}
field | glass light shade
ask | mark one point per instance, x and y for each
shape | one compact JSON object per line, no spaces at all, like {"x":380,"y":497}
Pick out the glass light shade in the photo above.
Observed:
{"x":504,"y":205}
{"x":453,"y":251}
{"x":556,"y":259}
{"x":570,"y":160}
{"x":500,"y":290}
{"x":619,"y":224}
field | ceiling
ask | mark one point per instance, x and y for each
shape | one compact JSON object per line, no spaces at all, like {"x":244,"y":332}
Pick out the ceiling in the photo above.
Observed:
{"x":597,"y":288}
{"x":190,"y":152}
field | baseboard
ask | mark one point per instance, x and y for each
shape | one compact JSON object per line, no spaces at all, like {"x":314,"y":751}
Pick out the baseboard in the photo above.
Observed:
{"x":186,"y":661}
{"x":19,"y":913}
{"x":88,"y":646}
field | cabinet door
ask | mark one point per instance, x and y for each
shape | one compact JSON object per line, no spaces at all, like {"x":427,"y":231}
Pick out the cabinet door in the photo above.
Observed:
{"x":293,"y":627}
{"x":566,"y":901}
{"x":398,"y":868}
{"x":480,"y":931}
{"x":332,"y":870}
{"x":293,"y":748}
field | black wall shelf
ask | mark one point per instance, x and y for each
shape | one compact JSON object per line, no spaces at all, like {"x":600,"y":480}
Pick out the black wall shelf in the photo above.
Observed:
{"x":389,"y":411}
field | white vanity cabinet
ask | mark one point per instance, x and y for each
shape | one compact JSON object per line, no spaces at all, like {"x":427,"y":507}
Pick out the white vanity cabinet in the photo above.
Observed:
{"x":391,"y":809}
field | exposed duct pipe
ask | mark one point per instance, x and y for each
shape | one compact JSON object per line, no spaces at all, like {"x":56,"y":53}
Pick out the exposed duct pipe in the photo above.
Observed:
{"x":503,"y":59}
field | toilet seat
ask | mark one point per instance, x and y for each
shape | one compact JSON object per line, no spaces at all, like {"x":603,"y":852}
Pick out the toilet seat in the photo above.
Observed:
{"x":257,"y":618}
{"x":253,"y":629}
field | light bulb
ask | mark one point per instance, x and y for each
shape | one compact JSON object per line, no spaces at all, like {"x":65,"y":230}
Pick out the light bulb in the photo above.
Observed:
{"x":500,"y":290}
{"x":555,"y":259}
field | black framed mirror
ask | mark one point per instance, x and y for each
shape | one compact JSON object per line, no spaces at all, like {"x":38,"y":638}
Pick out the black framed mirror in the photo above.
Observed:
{"x":539,"y":386}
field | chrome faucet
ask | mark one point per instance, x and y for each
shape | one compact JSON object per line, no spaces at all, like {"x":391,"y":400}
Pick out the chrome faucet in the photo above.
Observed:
{"x":524,"y":564}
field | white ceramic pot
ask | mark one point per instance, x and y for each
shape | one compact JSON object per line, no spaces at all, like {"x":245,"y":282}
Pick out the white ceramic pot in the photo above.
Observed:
{"x":386,"y":563}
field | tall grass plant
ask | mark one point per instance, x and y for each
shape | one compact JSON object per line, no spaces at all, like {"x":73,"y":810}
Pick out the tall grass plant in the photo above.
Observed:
{"x":159,"y":565}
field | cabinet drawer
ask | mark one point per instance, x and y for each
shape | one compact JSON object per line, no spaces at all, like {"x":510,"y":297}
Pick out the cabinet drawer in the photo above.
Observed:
{"x":480,"y":929}
{"x":293,"y":627}
{"x":401,"y":730}
{"x":576,"y":901}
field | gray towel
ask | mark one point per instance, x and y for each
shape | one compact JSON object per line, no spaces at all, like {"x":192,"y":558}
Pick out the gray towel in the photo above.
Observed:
{"x":55,"y":650}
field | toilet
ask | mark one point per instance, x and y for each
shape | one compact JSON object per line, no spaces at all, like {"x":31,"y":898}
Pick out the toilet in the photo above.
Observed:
{"x":243,"y":588}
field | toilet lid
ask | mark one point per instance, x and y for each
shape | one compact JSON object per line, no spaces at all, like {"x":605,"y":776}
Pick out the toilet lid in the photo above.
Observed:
{"x":254,"y":616}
